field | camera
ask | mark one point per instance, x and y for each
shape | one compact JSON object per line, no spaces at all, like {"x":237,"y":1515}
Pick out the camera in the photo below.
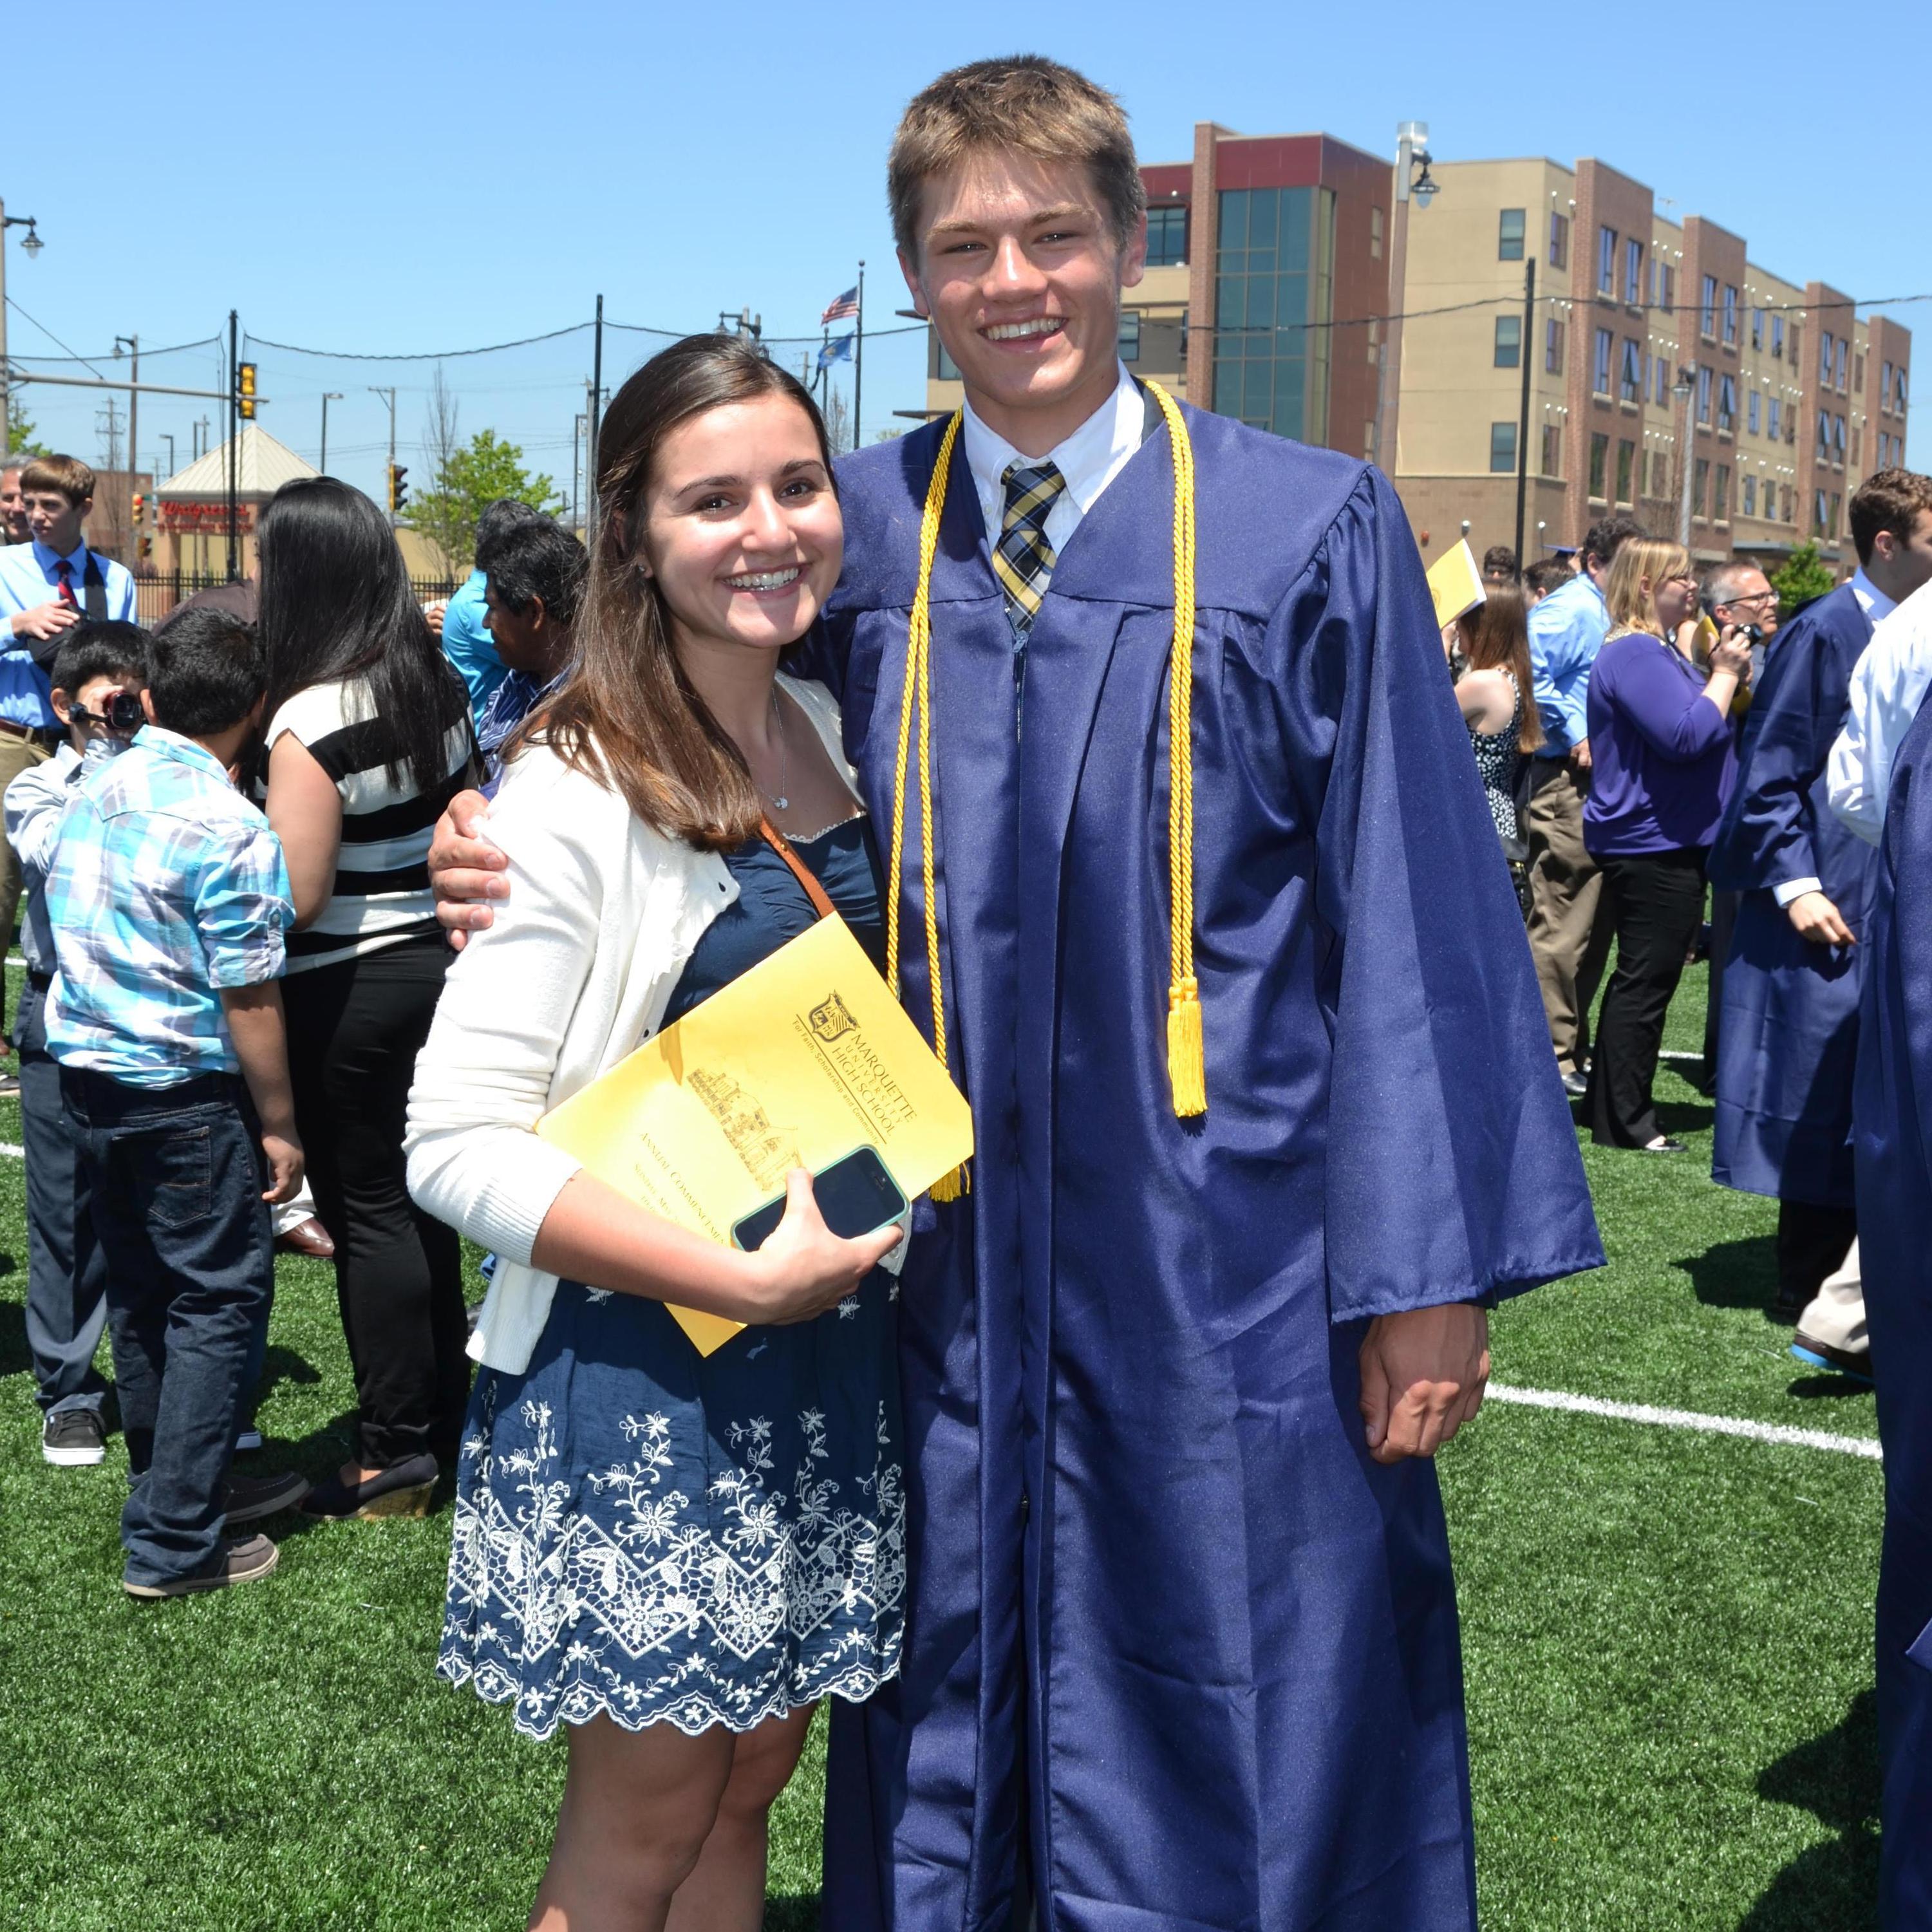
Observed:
{"x":123,"y":716}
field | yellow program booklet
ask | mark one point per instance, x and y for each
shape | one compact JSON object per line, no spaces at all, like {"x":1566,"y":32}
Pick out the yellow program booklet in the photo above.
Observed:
{"x":795,"y":1063}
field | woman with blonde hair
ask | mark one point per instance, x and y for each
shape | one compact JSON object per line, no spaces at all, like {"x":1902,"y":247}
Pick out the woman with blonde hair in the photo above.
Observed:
{"x":1663,"y":760}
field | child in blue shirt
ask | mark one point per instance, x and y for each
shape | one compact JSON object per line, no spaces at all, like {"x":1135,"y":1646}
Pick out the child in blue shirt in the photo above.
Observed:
{"x":168,"y":899}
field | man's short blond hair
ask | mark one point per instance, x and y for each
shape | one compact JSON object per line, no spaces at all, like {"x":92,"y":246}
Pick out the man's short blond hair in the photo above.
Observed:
{"x":1028,"y":105}
{"x":67,"y":474}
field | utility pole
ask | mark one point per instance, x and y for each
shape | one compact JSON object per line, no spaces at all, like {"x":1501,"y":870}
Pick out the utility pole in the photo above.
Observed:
{"x":389,"y":396}
{"x":169,"y":441}
{"x":858,"y":357}
{"x":1523,"y":423}
{"x":590,"y":437}
{"x":133,"y":343}
{"x":234,"y":448}
{"x":1411,"y":147}
{"x":328,"y":396}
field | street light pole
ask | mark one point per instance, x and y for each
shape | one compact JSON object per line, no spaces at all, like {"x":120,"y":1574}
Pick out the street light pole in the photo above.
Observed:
{"x":164,"y":437}
{"x":32,"y":244}
{"x":328,"y":396}
{"x":1412,"y":149}
{"x":133,"y":343}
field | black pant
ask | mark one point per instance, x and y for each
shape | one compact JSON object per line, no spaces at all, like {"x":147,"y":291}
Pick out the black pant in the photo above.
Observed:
{"x":355,"y":1030}
{"x":67,"y":1272}
{"x":175,"y":1174}
{"x":1813,"y":1241}
{"x":1723,"y":928}
{"x":1657,"y":904}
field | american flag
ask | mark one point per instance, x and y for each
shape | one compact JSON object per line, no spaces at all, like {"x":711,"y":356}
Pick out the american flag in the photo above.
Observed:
{"x":846,"y":304}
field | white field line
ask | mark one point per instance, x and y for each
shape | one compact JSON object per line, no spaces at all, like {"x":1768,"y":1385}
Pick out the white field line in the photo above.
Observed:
{"x":1685,"y":1418}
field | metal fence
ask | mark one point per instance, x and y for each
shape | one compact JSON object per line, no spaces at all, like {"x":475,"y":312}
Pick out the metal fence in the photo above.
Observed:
{"x":156,"y":595}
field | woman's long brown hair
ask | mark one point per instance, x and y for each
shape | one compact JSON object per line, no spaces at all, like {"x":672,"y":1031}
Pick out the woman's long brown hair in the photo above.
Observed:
{"x":1495,"y":637}
{"x":627,"y":715}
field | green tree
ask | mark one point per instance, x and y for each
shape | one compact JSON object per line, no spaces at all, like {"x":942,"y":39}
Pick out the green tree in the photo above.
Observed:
{"x":466,"y":481}
{"x":1801,"y":580}
{"x":22,"y":438}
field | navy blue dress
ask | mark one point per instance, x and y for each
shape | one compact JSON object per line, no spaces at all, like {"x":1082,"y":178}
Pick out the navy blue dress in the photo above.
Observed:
{"x":660,"y":1536}
{"x":1173,"y":1636}
{"x":1788,"y":1040}
{"x":1893,"y":1111}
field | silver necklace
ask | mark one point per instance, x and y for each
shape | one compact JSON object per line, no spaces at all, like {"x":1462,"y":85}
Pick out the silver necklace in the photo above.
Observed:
{"x":779,"y":801}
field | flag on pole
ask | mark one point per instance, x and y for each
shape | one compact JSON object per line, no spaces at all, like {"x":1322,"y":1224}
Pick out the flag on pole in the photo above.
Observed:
{"x":835,"y":352}
{"x":846,"y":304}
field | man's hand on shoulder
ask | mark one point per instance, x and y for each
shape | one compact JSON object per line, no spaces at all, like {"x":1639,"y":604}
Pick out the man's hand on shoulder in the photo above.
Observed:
{"x":1424,"y":1373}
{"x":466,"y":871}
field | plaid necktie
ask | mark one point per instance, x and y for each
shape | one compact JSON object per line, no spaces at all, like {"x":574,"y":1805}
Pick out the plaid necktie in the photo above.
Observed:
{"x":66,"y":588}
{"x":1023,"y":558}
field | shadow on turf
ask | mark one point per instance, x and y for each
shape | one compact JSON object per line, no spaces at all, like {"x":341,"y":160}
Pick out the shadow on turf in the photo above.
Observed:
{"x":1834,"y":1887}
{"x":14,"y":1358}
{"x":1734,"y":1274}
{"x":796,"y":1912}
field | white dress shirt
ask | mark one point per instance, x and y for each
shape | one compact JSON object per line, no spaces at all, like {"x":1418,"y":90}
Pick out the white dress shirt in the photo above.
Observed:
{"x":1887,"y":684}
{"x":1090,"y":459}
{"x":30,"y":576}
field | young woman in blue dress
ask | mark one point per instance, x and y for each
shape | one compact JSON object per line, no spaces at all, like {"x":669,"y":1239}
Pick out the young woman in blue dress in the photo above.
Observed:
{"x":674,"y":1555}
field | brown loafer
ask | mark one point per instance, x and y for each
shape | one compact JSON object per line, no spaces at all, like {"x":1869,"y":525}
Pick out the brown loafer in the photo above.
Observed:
{"x":308,"y":1237}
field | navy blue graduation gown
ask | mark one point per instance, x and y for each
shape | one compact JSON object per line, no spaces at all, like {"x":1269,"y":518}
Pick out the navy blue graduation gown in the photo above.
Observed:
{"x":1894,"y":1139}
{"x":1788,"y":1042}
{"x":1162,"y":1601}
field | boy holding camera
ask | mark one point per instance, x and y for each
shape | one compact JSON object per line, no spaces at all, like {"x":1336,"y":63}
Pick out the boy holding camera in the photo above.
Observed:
{"x":168,"y":899}
{"x":97,"y":675}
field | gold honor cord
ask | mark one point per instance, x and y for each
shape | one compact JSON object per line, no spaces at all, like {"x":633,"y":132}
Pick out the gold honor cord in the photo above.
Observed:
{"x":1186,"y":1071}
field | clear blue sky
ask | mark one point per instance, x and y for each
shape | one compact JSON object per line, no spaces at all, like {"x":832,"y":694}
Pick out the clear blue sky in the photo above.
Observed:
{"x":420,"y":177}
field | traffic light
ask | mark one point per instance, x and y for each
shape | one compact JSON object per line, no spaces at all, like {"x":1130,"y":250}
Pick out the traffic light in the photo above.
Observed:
{"x":245,"y":390}
{"x":399,"y":493}
{"x":140,"y":506}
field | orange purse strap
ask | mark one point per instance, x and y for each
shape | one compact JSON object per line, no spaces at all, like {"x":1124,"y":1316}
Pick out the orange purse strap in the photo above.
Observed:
{"x":821,"y":903}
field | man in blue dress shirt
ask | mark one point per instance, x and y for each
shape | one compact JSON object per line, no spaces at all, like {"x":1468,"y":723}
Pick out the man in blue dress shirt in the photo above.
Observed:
{"x":46,"y":585}
{"x":466,"y":639}
{"x":1566,"y":940}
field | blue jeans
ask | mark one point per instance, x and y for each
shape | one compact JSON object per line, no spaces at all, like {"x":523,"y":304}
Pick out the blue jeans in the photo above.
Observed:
{"x":67,"y":1272}
{"x":176,"y":1175}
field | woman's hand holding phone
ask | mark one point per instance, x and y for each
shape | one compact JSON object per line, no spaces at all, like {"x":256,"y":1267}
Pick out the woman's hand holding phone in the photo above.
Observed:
{"x":803,"y":1268}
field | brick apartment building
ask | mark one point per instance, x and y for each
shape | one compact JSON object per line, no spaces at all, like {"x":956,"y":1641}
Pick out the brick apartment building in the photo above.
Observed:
{"x":1270,"y":261}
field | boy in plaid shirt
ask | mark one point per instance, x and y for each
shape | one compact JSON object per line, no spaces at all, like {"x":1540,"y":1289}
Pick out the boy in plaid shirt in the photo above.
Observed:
{"x":168,"y":899}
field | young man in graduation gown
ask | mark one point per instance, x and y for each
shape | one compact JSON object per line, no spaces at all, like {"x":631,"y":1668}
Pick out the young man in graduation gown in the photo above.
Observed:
{"x":1182,"y":1644}
{"x":1893,"y":1113}
{"x":1788,"y":1044}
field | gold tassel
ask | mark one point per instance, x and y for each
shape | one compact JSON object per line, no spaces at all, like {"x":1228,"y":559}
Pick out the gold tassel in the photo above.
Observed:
{"x":950,"y":1185}
{"x":1186,"y":1067}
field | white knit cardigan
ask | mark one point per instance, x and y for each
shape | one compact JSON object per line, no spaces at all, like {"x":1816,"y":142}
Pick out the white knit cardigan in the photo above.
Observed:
{"x":575,"y":972}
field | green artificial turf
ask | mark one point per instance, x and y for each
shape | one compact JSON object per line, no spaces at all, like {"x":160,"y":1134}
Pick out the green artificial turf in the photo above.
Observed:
{"x":1667,"y":1639}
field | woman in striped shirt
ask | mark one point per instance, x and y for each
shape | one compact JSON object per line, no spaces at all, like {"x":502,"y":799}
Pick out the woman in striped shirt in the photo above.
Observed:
{"x":369,"y":738}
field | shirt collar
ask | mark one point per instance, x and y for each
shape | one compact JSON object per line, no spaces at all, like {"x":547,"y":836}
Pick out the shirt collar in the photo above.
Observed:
{"x":1089,"y":459}
{"x":47,"y":558}
{"x":166,"y":744}
{"x":1872,"y":600}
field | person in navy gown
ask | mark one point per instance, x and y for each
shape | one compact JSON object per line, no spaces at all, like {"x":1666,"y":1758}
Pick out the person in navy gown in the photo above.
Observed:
{"x":1892,"y":1117}
{"x":1181,"y":1643}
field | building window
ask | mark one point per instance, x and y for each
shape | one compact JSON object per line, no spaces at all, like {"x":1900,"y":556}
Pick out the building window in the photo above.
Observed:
{"x":1662,"y":371}
{"x":1757,"y":328}
{"x":1838,"y":367}
{"x":1720,"y":499}
{"x":1632,"y":270}
{"x":1273,"y":296}
{"x":1509,"y":235}
{"x":948,"y":369}
{"x":1727,"y":405}
{"x":1167,"y":235}
{"x":1898,"y":393}
{"x":1666,"y":286}
{"x":1797,"y":341}
{"x":1553,"y":450}
{"x":1607,"y":261}
{"x":1838,"y":440}
{"x":1778,"y":336}
{"x":1859,"y":373}
{"x":1753,"y":411}
{"x":1703,"y":395}
{"x":1626,"y":470}
{"x":1502,"y":448}
{"x":1629,"y":378}
{"x":1600,"y":457}
{"x":1885,"y":389}
{"x":1599,"y":374}
{"x":1660,"y":481}
{"x":1822,"y":448}
{"x":1825,"y":357}
{"x":1508,"y":350}
{"x":1375,"y":234}
{"x":1700,"y":482}
{"x":1858,"y":444}
{"x":1559,"y":240}
{"x":1838,"y":506}
{"x":1552,"y":347}
{"x":1730,"y":314}
{"x":1772,"y":414}
{"x":1747,"y":493}
{"x":1707,"y":310}
{"x":1818,"y":529}
{"x":1128,"y":343}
